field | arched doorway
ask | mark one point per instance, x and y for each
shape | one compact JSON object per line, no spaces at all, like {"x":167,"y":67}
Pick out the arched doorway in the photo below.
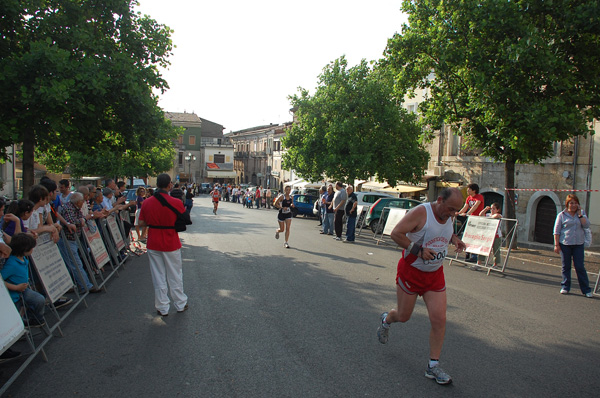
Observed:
{"x":491,"y":197}
{"x":545,"y":215}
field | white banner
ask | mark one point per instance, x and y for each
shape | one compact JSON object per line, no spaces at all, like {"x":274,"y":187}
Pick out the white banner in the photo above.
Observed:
{"x":394,"y":217}
{"x":94,"y":240}
{"x":479,"y":234}
{"x":51,"y":267}
{"x":11,"y":327}
{"x":115,"y":232}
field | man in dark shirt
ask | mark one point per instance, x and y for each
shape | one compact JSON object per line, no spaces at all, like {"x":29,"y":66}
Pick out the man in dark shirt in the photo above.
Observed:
{"x":351,"y":204}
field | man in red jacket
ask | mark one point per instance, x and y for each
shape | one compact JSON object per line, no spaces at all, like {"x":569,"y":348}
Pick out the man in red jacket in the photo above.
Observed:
{"x":164,"y":248}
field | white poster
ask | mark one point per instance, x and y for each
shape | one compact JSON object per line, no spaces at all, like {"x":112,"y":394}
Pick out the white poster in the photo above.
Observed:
{"x":94,"y":240}
{"x":113,"y":227}
{"x":394,"y":217}
{"x":51,"y":267}
{"x":479,"y":234}
{"x":11,"y":327}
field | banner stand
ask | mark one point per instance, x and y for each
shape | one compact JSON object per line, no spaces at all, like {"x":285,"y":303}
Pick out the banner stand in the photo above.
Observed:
{"x":380,"y":225}
{"x":362,"y":212}
{"x":393,"y":217}
{"x":491,"y":268}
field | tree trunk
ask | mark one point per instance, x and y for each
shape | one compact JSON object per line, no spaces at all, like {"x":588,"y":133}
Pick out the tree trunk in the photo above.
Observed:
{"x":28,"y":157}
{"x":509,"y":182}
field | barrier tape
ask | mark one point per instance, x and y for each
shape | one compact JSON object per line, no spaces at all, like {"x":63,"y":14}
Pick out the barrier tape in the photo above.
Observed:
{"x":552,"y":190}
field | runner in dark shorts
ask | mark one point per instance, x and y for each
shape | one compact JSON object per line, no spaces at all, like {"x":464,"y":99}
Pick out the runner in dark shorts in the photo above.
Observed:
{"x":284,"y":203}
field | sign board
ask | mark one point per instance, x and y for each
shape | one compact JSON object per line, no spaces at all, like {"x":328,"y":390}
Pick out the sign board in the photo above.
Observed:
{"x":479,"y":234}
{"x":94,"y":241}
{"x":11,"y":327}
{"x":115,"y":232}
{"x":393,"y":218}
{"x":51,"y":267}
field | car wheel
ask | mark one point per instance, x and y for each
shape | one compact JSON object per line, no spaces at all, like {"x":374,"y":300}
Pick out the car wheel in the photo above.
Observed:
{"x":374,"y":225}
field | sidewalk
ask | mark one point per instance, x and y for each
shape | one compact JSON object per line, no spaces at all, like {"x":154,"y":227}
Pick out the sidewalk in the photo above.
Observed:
{"x":544,"y":253}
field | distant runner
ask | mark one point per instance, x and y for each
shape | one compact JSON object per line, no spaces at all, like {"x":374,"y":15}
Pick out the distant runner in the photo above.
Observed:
{"x":216,"y":195}
{"x":284,"y":203}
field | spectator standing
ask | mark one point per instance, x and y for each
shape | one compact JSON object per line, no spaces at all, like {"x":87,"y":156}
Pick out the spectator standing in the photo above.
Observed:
{"x":268,"y":194}
{"x":329,"y":216}
{"x":569,"y":240}
{"x":257,"y":197}
{"x":339,"y":201}
{"x":351,"y":204}
{"x":164,"y":248}
{"x":473,"y":206}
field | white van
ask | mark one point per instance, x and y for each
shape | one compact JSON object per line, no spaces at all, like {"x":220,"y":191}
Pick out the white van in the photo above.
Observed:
{"x":368,"y":198}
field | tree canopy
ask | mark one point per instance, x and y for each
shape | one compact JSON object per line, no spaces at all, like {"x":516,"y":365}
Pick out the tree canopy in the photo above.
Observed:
{"x":78,"y":76}
{"x":353,"y":127}
{"x":512,"y":76}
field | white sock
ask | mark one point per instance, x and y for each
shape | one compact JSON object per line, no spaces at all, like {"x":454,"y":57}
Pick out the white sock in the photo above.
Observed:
{"x":433,"y":363}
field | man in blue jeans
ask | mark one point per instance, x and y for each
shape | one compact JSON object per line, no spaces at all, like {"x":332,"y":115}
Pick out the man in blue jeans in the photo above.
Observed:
{"x":351,"y":204}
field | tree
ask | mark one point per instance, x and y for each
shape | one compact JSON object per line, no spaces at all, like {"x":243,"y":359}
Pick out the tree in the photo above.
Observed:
{"x":78,"y":76}
{"x":353,"y":128}
{"x":512,"y":76}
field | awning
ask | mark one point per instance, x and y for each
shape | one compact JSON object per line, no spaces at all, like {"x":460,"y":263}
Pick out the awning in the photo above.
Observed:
{"x":404,"y":189}
{"x":374,"y":186}
{"x":221,"y":174}
{"x":447,"y":184}
{"x":306,"y":184}
{"x":293,"y":183}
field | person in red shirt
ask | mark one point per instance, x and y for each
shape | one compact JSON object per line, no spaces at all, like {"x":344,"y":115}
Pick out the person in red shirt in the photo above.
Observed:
{"x":473,"y":206}
{"x":164,"y":248}
{"x":215,"y":195}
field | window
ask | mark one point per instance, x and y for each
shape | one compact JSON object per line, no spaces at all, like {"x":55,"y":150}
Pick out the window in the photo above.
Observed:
{"x":180,"y":139}
{"x":192,"y":140}
{"x":219,"y":158}
{"x":180,"y":158}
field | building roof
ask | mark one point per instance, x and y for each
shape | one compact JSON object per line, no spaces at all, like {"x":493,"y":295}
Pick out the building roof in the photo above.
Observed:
{"x":183,"y":118}
{"x":211,"y":129}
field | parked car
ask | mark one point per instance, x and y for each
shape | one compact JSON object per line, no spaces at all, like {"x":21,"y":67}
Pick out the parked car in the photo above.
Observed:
{"x":368,"y":198}
{"x":303,"y":205}
{"x":205,"y":187}
{"x":374,"y":214}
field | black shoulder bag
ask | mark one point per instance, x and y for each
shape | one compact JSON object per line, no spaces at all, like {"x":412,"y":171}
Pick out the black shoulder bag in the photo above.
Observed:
{"x":182,"y":219}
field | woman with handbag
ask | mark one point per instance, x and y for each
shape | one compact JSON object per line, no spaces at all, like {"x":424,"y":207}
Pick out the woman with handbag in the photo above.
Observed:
{"x":569,"y":240}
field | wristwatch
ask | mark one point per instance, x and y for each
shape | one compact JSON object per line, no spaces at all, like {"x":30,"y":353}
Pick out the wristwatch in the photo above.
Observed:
{"x":581,"y":215}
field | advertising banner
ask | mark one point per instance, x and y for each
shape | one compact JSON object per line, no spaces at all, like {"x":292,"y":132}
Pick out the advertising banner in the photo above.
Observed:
{"x":479,"y":234}
{"x":51,"y":267}
{"x":115,"y":232}
{"x":94,"y":241}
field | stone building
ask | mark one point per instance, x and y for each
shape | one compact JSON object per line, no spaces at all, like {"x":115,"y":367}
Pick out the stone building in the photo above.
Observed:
{"x":541,"y":189}
{"x":257,"y":155}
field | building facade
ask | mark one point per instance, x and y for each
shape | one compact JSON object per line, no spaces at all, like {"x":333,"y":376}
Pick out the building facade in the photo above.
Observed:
{"x":202,"y":154}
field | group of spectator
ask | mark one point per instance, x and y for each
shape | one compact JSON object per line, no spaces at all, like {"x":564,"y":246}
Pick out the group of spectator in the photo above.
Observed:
{"x":49,"y":208}
{"x":334,"y":206}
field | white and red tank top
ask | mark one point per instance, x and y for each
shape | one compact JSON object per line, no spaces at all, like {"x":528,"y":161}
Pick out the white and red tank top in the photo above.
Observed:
{"x":434,"y":236}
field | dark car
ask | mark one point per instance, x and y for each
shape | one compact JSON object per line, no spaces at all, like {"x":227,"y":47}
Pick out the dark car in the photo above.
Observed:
{"x":303,"y":205}
{"x":372,"y":219}
{"x":205,"y":187}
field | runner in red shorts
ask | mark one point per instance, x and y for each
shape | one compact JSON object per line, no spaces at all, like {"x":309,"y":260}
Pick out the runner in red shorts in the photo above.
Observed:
{"x":215,"y":195}
{"x":425,"y":232}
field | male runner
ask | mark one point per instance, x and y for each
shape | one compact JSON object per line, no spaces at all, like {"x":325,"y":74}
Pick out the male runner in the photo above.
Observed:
{"x":425,"y":232}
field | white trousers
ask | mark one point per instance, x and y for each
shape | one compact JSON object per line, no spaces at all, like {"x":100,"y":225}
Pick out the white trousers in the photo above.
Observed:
{"x":167,"y":274}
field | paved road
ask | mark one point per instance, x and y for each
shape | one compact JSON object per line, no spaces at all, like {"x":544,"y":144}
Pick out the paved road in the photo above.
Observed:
{"x":266,"y":321}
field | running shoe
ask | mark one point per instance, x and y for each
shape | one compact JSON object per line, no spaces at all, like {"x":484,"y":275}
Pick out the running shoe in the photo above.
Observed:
{"x":276,"y":234}
{"x":383,"y":330}
{"x":589,"y":295}
{"x":286,"y":245}
{"x":438,"y":374}
{"x":564,"y":291}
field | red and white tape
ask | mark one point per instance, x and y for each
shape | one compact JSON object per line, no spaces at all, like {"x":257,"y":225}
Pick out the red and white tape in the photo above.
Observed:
{"x":552,"y":190}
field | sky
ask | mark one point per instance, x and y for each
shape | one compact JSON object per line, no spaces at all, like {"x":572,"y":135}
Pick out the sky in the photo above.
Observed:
{"x":237,"y":62}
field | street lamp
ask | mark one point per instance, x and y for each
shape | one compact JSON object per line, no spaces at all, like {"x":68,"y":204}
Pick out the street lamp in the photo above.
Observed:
{"x":190,"y":158}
